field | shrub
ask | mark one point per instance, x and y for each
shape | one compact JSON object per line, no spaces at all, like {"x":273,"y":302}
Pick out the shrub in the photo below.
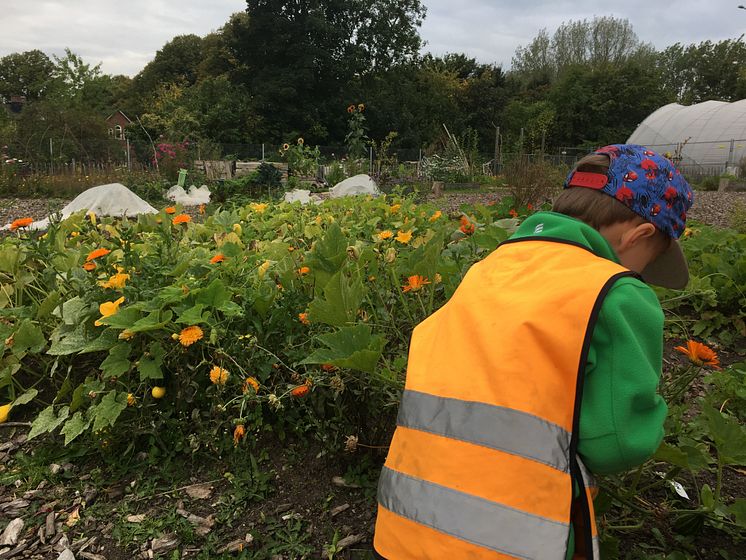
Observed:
{"x":737,"y":217}
{"x":532,"y":182}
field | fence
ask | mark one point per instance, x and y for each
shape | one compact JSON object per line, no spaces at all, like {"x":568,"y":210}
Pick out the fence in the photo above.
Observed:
{"x":707,"y":158}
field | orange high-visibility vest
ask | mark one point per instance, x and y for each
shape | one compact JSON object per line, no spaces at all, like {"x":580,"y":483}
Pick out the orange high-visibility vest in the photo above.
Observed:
{"x":483,"y":458}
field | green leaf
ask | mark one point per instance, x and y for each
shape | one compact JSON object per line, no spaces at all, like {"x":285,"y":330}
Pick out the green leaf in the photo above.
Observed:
{"x":116,"y":363}
{"x":122,"y":319}
{"x":328,"y":255}
{"x":108,"y":410}
{"x":150,"y":364}
{"x":28,"y":337}
{"x":672,"y":455}
{"x":103,"y":343}
{"x":340,"y":303}
{"x":152,"y":322}
{"x":727,"y":434}
{"x":48,"y":421}
{"x":47,"y":306}
{"x":74,"y":311}
{"x":738,"y":509}
{"x":65,"y":341}
{"x":26,"y":397}
{"x":707,"y":497}
{"x":215,"y":295}
{"x":74,"y":427}
{"x":352,"y":347}
{"x":193,"y":316}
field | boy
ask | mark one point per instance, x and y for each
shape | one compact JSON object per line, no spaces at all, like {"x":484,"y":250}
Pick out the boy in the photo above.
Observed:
{"x":542,"y":368}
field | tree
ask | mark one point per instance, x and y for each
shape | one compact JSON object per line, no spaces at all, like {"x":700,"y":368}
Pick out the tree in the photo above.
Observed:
{"x":601,"y":41}
{"x":699,"y":72}
{"x":29,"y":73}
{"x":177,"y":62}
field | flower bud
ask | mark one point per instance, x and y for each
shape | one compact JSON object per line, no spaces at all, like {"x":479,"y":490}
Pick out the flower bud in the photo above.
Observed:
{"x":390,"y":255}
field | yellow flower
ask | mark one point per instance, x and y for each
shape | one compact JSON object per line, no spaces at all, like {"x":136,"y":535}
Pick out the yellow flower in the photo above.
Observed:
{"x":107,"y":309}
{"x":258,"y":207}
{"x":190,"y":335}
{"x":404,"y":237}
{"x":394,"y":208}
{"x":116,"y":282}
{"x":92,"y":216}
{"x":435,"y":216}
{"x":238,"y":433}
{"x":5,"y":412}
{"x":131,"y":400}
{"x":263,"y":268}
{"x":385,"y":234}
{"x":126,"y":334}
{"x":158,"y":392}
{"x":250,"y":382}
{"x":74,"y":234}
{"x":219,"y":375}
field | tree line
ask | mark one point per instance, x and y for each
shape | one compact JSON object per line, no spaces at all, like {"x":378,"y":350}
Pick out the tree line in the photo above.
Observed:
{"x":281,"y":70}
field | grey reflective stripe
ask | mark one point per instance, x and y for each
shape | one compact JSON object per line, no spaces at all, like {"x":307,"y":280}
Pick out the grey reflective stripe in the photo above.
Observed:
{"x":596,"y":547}
{"x":481,"y":522}
{"x":588,"y":479}
{"x":505,"y":429}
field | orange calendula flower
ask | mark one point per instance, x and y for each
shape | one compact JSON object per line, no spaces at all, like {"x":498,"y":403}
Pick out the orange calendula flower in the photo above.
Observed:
{"x":181,"y":219}
{"x":394,"y":208}
{"x":385,"y":234}
{"x":513,"y":213}
{"x":437,"y":214}
{"x":304,"y":270}
{"x":467,"y":227}
{"x":303,"y":318}
{"x":116,"y":282}
{"x":404,"y":237}
{"x":170,"y":210}
{"x":415,"y":283}
{"x":238,"y":434}
{"x":190,"y":335}
{"x":107,"y":309}
{"x":300,"y":391}
{"x":700,"y":354}
{"x":217,"y":258}
{"x":218,"y":375}
{"x":97,"y":253}
{"x":328,"y":367}
{"x":21,"y":223}
{"x":250,"y":382}
{"x":89,"y":266}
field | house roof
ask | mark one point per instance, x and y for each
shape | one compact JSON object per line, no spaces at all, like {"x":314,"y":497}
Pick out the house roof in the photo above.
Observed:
{"x":119,"y":113}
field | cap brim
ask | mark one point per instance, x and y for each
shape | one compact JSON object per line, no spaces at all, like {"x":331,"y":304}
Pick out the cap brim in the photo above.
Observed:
{"x":669,"y":270}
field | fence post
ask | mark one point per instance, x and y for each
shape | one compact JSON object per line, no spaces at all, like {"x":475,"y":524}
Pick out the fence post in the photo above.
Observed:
{"x":51,"y":157}
{"x":262,"y":151}
{"x":730,"y":154}
{"x":129,"y":163}
{"x":497,"y":149}
{"x":370,"y":163}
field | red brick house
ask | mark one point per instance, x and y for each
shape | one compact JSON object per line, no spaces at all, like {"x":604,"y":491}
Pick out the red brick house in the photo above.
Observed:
{"x":117,"y":123}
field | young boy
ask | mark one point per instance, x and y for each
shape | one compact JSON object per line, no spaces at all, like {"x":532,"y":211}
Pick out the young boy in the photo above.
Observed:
{"x":541,"y":369}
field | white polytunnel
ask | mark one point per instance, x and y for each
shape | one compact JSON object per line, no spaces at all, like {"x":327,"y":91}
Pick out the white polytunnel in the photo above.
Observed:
{"x":714,"y":133}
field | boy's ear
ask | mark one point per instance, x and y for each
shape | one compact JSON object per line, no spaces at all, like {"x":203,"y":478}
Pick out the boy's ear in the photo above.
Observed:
{"x":638,"y":233}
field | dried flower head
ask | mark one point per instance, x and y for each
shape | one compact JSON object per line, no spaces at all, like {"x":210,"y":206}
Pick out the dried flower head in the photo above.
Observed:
{"x":238,"y":434}
{"x":351,"y":444}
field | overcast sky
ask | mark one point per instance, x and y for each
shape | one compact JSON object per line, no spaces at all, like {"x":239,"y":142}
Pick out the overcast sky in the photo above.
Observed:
{"x":125,"y":34}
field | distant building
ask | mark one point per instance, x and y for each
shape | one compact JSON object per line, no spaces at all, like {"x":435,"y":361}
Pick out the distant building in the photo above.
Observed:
{"x":117,"y":122}
{"x":16,"y":103}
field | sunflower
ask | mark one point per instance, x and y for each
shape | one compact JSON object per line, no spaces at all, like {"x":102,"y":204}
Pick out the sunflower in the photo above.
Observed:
{"x":699,"y":354}
{"x":404,"y":237}
{"x":96,"y":253}
{"x":218,"y":375}
{"x":285,"y":147}
{"x":361,"y":107}
{"x":415,"y":283}
{"x":301,"y":141}
{"x":181,"y":219}
{"x":21,"y":223}
{"x":220,"y":257}
{"x":190,"y":335}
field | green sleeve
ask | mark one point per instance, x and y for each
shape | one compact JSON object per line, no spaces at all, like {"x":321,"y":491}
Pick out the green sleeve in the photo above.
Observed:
{"x":622,"y":415}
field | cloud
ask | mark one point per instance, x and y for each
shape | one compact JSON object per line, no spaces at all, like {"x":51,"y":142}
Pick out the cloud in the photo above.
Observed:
{"x":125,"y":35}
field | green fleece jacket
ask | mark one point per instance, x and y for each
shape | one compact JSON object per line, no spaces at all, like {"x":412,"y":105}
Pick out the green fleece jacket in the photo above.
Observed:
{"x":621,"y":414}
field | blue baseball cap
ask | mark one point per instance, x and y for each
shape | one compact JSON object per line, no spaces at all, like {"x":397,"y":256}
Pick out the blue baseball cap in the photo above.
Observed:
{"x":649,"y":185}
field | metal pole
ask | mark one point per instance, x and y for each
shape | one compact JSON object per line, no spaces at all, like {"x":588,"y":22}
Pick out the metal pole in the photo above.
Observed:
{"x":51,"y":157}
{"x":730,"y":153}
{"x":262,"y":151}
{"x":129,"y":163}
{"x":370,"y":163}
